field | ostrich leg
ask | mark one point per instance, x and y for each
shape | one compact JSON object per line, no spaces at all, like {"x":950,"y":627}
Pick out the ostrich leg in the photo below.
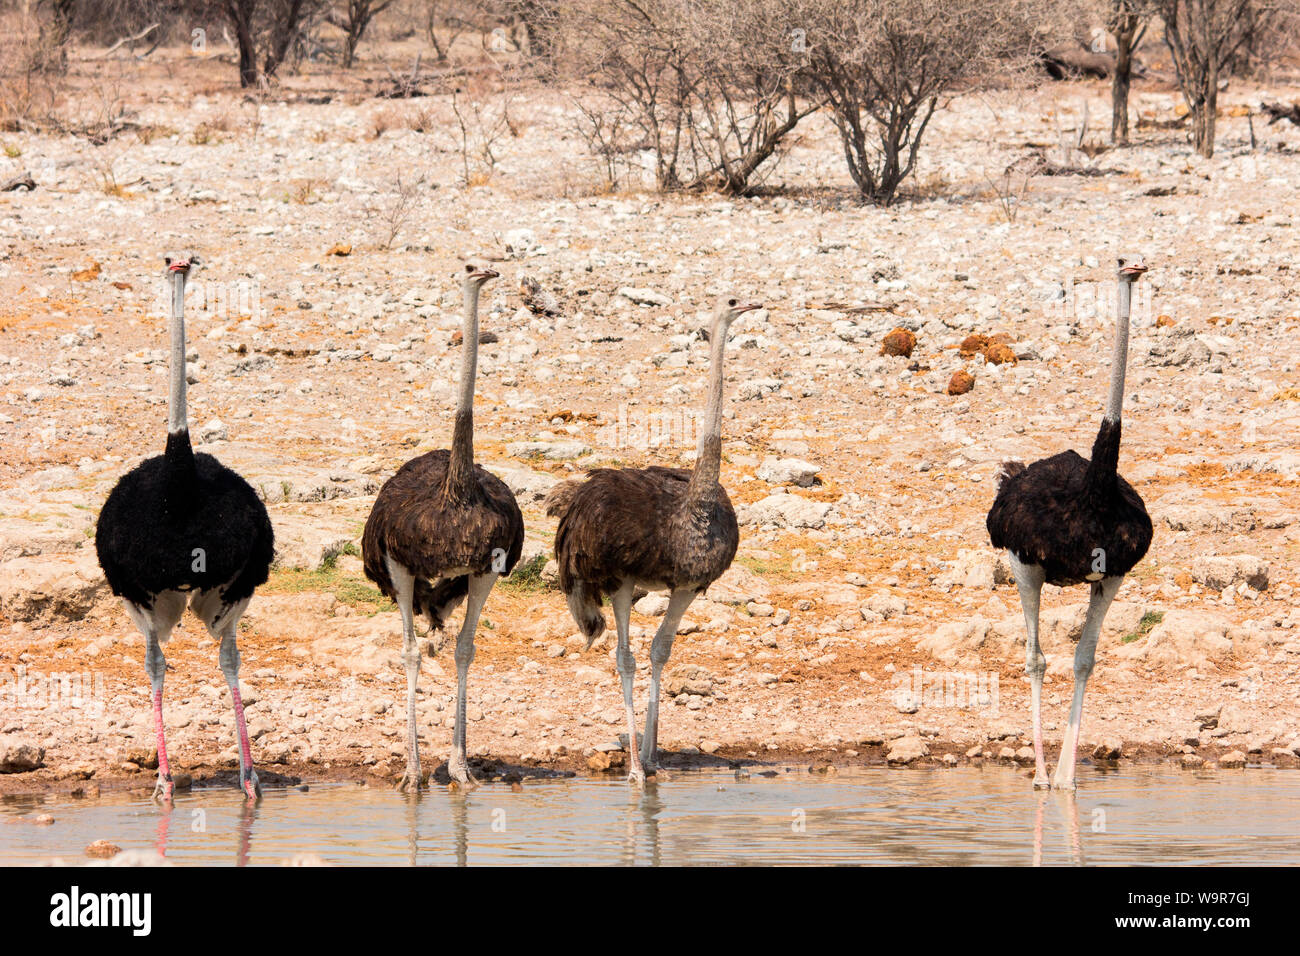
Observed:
{"x":156,"y":625}
{"x":622,"y":603}
{"x":156,"y":665}
{"x":660,"y":648}
{"x":479,"y":587}
{"x":1029,"y":581}
{"x":404,"y":585}
{"x":229,"y":657}
{"x":1099,"y":601}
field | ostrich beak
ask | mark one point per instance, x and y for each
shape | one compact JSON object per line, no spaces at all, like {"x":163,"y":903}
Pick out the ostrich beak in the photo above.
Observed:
{"x":1133,"y":270}
{"x":748,"y":307}
{"x":484,"y":274}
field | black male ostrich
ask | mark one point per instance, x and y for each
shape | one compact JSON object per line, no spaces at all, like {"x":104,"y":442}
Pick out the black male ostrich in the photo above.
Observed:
{"x":1066,"y":520}
{"x":655,"y":528}
{"x":443,"y":528}
{"x":183,"y":528}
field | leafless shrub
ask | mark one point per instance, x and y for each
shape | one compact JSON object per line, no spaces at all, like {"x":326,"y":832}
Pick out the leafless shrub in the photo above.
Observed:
{"x":481,"y":103}
{"x":383,"y":120}
{"x":443,"y":26}
{"x":29,"y":92}
{"x":609,"y":138}
{"x":305,"y":191}
{"x":1012,"y":186}
{"x":708,"y":88}
{"x":387,"y":216}
{"x":1271,"y":38}
{"x":102,"y":113}
{"x":885,"y":66}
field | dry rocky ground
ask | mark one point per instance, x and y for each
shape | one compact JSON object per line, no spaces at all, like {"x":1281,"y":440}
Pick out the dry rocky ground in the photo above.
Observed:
{"x":861,"y":484}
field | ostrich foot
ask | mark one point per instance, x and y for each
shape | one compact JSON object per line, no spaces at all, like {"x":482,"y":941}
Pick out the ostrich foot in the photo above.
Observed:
{"x":1063,"y":782}
{"x":651,"y":766}
{"x":458,"y":770}
{"x":637,"y":776}
{"x":249,"y":784}
{"x":164,"y":788}
{"x":411,"y":781}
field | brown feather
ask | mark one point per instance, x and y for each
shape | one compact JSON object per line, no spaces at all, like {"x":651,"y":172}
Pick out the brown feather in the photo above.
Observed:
{"x":432,"y":533}
{"x":638,"y":524}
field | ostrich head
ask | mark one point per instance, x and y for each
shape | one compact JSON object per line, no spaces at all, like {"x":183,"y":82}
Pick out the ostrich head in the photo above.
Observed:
{"x":1130,"y":267}
{"x":184,"y":264}
{"x":476,"y":274}
{"x":730,"y":308}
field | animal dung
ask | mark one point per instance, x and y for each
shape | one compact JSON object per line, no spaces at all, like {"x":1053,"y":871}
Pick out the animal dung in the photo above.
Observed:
{"x":995,"y":349}
{"x":88,"y":274}
{"x":899,"y":342}
{"x":1000,"y":354}
{"x":961,"y":382}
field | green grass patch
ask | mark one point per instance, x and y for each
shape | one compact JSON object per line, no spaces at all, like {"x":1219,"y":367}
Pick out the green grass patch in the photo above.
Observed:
{"x":351,"y":590}
{"x":1149,"y":620}
{"x":765,"y":566}
{"x":527,"y":576}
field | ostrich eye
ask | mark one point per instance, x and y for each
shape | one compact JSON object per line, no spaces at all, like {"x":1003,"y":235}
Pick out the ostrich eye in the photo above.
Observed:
{"x":167,"y":260}
{"x":469,"y":268}
{"x":731,"y":302}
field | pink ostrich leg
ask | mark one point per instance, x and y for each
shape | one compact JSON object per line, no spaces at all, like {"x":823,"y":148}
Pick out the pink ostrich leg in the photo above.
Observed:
{"x":165,"y":786}
{"x":247,"y":779}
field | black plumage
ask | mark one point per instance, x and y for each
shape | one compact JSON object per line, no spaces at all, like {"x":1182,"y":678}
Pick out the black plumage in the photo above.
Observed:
{"x":1068,"y":520}
{"x":182,"y":529}
{"x":183,"y":522}
{"x":1077,"y":519}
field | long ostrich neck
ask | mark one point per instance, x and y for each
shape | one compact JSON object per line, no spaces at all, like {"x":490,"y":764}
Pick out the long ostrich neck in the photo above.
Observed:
{"x":1119,"y":359}
{"x":460,"y":471}
{"x":708,"y":458}
{"x":180,"y":468}
{"x":1104,"y":466}
{"x":177,"y":416}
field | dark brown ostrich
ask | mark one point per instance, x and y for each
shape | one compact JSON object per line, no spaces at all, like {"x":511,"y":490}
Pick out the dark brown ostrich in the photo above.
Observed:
{"x":443,"y":528}
{"x":655,"y":528}
{"x":1066,"y":520}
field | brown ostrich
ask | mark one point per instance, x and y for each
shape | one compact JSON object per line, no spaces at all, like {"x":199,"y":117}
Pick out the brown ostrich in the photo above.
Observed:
{"x":442,"y":529}
{"x":1066,"y":520}
{"x":654,"y":528}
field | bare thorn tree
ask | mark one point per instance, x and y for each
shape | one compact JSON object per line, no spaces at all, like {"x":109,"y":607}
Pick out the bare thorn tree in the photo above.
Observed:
{"x":885,"y":66}
{"x":271,"y":26}
{"x":359,"y":15}
{"x":709,"y":88}
{"x":1125,"y":22}
{"x":1203,"y":36}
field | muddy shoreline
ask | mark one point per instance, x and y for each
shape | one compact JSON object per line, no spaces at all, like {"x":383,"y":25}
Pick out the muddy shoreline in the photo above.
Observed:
{"x":512,"y":770}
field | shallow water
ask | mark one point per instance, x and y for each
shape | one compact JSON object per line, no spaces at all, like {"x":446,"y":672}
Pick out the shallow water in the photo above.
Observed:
{"x":960,"y":816}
